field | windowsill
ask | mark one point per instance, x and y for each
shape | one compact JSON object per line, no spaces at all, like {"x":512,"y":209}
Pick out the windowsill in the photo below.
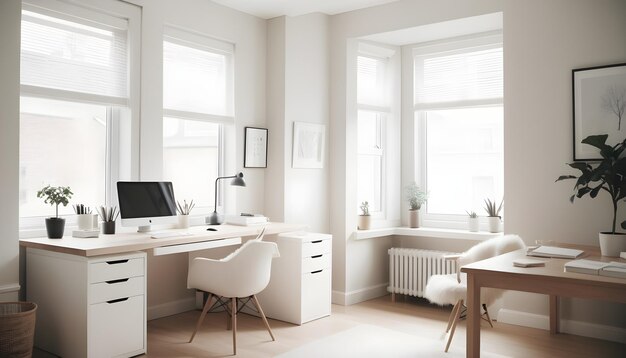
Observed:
{"x":425,"y":232}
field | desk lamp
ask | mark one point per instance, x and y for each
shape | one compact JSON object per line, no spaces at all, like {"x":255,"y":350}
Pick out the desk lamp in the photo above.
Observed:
{"x":215,"y":219}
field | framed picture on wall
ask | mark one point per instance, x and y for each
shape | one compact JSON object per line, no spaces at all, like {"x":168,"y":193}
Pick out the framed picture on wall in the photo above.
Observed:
{"x":599,"y":99}
{"x":255,"y":148}
{"x":308,"y":145}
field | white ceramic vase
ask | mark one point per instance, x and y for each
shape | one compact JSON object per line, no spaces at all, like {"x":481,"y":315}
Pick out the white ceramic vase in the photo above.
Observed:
{"x":473,"y":224}
{"x":612,"y":244}
{"x":183,"y":221}
{"x":414,"y":218}
{"x":494,"y":223}
{"x":364,"y":222}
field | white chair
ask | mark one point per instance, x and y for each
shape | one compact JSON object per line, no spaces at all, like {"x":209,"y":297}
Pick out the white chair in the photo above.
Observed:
{"x":242,"y":274}
{"x":452,"y":289}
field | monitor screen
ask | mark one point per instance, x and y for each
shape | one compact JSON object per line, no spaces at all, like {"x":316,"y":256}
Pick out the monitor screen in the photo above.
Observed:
{"x":146,"y":199}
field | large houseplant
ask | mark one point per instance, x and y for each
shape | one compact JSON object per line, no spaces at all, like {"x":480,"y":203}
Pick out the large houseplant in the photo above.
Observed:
{"x":55,"y":195}
{"x":608,"y":175}
{"x":416,"y":198}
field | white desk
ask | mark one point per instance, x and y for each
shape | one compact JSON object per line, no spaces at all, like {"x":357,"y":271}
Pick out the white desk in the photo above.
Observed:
{"x":92,"y":292}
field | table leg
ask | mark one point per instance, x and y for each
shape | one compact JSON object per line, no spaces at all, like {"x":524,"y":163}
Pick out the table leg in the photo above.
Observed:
{"x":554,"y":314}
{"x":473,"y":317}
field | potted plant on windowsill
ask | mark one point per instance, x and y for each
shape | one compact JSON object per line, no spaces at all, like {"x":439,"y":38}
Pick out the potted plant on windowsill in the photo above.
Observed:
{"x":493,"y":215}
{"x":473,"y":221}
{"x":55,"y":195}
{"x":416,"y":198}
{"x":364,"y":218}
{"x":608,"y":175}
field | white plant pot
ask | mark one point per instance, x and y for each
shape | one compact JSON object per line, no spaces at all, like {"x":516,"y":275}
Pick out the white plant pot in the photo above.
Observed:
{"x":494,"y":223}
{"x":87,"y":221}
{"x":473,"y":224}
{"x":183,"y":221}
{"x":364,"y":222}
{"x":414,"y":218}
{"x":612,"y":244}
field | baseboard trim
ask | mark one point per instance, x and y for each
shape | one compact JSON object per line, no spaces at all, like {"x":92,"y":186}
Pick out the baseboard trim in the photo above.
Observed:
{"x":579,"y":328}
{"x":360,"y":295}
{"x":12,"y":287}
{"x":171,"y":308}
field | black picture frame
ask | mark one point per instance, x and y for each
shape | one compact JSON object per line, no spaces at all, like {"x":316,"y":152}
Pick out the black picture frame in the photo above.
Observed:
{"x":592,"y":90}
{"x":255,"y":147}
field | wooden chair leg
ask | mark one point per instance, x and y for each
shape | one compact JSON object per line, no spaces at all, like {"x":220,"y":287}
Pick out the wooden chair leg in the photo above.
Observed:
{"x":267,"y":325}
{"x":456,"y":320}
{"x":452,"y":315}
{"x":202,"y":315}
{"x":233,"y":315}
{"x":487,"y":314}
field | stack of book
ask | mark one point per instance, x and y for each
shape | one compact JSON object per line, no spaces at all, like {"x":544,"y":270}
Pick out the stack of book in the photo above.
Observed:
{"x":590,"y":267}
{"x":245,"y":220}
{"x":556,"y":252}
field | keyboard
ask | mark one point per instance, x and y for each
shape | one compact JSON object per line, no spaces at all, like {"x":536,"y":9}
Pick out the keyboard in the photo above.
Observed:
{"x":170,"y":234}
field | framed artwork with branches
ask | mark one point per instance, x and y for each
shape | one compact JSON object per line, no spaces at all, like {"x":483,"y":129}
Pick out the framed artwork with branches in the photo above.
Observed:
{"x":599,"y":99}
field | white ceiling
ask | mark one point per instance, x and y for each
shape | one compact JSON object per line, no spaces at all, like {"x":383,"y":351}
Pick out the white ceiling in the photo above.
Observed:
{"x":268,"y":9}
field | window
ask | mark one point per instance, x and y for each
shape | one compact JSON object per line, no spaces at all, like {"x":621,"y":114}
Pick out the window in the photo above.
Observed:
{"x":197,"y":101}
{"x":373,"y":109}
{"x":458,"y":89}
{"x":75,"y":88}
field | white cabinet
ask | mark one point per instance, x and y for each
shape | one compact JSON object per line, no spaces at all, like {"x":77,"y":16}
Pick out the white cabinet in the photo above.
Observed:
{"x":300,"y":286}
{"x":88,"y":306}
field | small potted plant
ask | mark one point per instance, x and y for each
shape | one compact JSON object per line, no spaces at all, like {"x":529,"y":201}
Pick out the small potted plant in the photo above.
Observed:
{"x":183,"y":213}
{"x":493,"y":215}
{"x":416,"y":198}
{"x":608,"y":175}
{"x":364,"y":218}
{"x":55,"y":195}
{"x":473,"y":221}
{"x":108,"y":215}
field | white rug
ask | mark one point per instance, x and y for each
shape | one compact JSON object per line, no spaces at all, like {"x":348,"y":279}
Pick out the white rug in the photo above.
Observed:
{"x":374,"y":341}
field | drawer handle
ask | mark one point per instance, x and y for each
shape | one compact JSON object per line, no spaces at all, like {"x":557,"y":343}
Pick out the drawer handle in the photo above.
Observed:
{"x":316,"y":256}
{"x":117,"y":262}
{"x":316,"y":242}
{"x":116,"y":281}
{"x":318,"y":271}
{"x":117,"y":300}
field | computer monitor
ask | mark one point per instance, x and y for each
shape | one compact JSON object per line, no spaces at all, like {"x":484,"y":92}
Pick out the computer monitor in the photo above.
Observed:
{"x":144,"y":203}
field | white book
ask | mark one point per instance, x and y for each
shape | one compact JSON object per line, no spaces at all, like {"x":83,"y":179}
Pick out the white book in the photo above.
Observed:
{"x":589,"y":267}
{"x":85,"y":233}
{"x":614,"y":269}
{"x":556,"y":252}
{"x":528,"y":263}
{"x":245,"y":220}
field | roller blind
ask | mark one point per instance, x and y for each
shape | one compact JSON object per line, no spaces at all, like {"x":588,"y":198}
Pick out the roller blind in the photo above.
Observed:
{"x":60,"y":51}
{"x":371,"y":81}
{"x":464,"y":75}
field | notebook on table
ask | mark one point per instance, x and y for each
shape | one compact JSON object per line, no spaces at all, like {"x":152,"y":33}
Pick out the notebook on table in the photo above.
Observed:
{"x":556,"y":252}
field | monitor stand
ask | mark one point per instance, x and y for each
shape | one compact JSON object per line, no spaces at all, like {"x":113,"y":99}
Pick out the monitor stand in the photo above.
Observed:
{"x":145,"y":228}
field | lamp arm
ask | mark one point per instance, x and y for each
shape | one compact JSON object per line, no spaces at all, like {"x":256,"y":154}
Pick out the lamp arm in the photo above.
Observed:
{"x":216,"y":180}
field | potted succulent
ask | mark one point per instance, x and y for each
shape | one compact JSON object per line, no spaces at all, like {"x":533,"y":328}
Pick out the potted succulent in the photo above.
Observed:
{"x":364,"y":218}
{"x":473,"y":221}
{"x":608,"y":175}
{"x":416,"y":198}
{"x":55,"y":195}
{"x":183,"y":213}
{"x":493,"y":215}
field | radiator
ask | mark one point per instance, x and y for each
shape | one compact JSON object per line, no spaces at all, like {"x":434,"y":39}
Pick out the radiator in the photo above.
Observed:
{"x":410,"y":269}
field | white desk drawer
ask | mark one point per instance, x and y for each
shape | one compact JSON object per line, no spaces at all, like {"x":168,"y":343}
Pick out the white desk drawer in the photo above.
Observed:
{"x":315,"y":295}
{"x":114,"y":289}
{"x":116,"y":328}
{"x":315,"y":248}
{"x":116,"y":269}
{"x":315,"y":263}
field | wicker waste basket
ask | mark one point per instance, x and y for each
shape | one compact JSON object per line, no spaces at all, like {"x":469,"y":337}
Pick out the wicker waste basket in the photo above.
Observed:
{"x":17,"y":328}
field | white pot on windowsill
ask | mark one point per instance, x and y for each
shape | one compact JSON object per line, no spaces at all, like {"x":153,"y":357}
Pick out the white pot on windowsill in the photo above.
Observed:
{"x":473,"y":224}
{"x":364,"y":222}
{"x":414,"y":218}
{"x":495,"y":223}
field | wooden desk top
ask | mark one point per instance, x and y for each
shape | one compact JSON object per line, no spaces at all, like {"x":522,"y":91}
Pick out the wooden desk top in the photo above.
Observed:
{"x":503,"y":264}
{"x":126,"y":242}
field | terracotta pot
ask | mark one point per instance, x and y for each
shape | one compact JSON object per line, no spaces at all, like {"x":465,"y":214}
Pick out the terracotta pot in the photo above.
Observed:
{"x":414,"y":218}
{"x":612,"y":244}
{"x":364,"y":222}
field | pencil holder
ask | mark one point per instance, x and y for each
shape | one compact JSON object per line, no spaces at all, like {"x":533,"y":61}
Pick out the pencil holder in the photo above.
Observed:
{"x":108,"y":227}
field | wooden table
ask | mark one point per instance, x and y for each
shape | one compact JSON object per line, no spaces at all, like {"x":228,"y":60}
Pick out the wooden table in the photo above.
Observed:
{"x":499,"y":272}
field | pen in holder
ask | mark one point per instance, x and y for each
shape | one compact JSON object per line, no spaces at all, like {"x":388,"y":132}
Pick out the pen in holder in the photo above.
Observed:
{"x":183,"y":213}
{"x":108,"y":216}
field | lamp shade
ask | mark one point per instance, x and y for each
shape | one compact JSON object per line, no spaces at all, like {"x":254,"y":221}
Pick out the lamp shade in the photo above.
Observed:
{"x":238,"y":180}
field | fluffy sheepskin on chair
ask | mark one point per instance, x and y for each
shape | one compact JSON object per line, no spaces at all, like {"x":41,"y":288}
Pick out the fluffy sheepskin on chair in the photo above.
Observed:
{"x":446,"y":290}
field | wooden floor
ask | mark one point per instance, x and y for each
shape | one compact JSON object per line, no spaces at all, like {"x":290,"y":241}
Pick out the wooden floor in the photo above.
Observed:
{"x":167,"y":337}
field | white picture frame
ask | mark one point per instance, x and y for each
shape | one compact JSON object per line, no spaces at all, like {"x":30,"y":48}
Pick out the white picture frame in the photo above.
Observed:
{"x":308,"y":145}
{"x":255,"y":148}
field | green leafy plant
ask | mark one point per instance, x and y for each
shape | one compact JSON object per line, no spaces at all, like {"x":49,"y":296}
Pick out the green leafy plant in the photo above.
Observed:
{"x":471,"y":214}
{"x":55,"y":195}
{"x":365,"y":208}
{"x":415,"y":196}
{"x":490,"y":208}
{"x":608,"y":175}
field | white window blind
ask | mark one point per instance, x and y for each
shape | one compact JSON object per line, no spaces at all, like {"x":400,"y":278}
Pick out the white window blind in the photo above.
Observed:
{"x":371,"y":81}
{"x":471,"y":74}
{"x":64,"y":52}
{"x":195,"y":79}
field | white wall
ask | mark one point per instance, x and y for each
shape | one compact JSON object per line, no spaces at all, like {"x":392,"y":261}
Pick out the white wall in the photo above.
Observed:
{"x":10,"y":16}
